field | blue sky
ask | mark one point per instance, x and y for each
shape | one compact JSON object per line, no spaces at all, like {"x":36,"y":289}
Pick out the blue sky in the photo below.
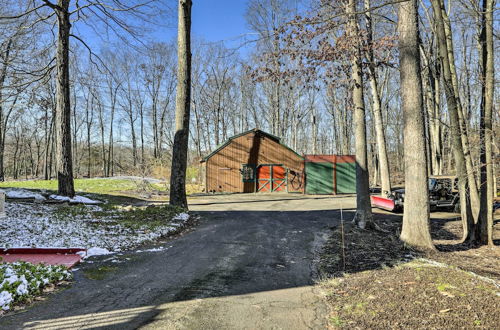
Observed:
{"x":218,"y":20}
{"x":212,"y":21}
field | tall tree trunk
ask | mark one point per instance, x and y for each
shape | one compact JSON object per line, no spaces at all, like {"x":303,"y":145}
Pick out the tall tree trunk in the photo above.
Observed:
{"x":74,"y":139}
{"x":15,"y":161}
{"x":156,"y":149}
{"x":455,"y":131}
{"x":473,"y":190}
{"x":437,"y":130}
{"x":383,"y":160}
{"x":432,"y":94}
{"x":49,"y":148}
{"x":133,"y":137}
{"x":103,"y":144}
{"x":3,"y":122}
{"x":415,"y":230}
{"x":182,"y":107}
{"x":314,"y":123}
{"x":110,"y":158}
{"x":363,"y":215}
{"x":63,"y":108}
{"x":485,"y":221}
{"x":197,"y":128}
{"x":143,"y":162}
{"x":88,"y":120}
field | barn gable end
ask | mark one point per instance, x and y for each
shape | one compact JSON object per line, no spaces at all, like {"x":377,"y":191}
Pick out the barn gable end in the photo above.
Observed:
{"x":255,"y":151}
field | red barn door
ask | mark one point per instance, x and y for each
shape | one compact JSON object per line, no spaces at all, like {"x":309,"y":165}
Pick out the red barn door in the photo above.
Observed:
{"x":271,"y":178}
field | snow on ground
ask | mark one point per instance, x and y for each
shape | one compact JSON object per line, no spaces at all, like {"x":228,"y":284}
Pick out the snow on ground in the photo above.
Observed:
{"x":94,"y":251}
{"x":21,"y":280}
{"x":181,"y":217}
{"x":17,"y":193}
{"x":37,"y":225}
{"x":23,"y":193}
{"x":76,"y":199}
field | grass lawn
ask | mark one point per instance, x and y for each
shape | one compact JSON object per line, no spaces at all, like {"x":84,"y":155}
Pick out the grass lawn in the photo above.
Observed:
{"x":93,"y":186}
{"x":134,"y":217}
{"x":114,"y":190}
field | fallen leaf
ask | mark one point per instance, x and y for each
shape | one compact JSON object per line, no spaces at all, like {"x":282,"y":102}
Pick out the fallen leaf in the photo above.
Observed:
{"x":447,"y":294}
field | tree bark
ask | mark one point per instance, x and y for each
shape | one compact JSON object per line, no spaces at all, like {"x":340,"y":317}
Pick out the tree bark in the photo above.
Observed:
{"x":432,"y":94}
{"x":182,"y":107}
{"x":3,"y":122}
{"x":102,"y":129}
{"x":143,"y":161}
{"x":363,"y":215}
{"x":383,"y":160}
{"x":415,"y":229}
{"x":314,"y":124}
{"x":473,"y":191}
{"x":89,"y":115}
{"x":485,"y":220}
{"x":437,"y":131}
{"x":455,"y":132}
{"x":63,"y":108}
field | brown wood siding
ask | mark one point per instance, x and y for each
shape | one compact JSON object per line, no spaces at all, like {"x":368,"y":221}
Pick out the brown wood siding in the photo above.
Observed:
{"x":223,"y":168}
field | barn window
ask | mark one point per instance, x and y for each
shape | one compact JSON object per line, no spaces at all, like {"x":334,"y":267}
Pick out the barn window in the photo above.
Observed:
{"x":248,"y":172}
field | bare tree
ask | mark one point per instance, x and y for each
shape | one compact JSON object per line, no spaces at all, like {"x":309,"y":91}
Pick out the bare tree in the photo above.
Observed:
{"x":108,"y":13}
{"x":183,"y":105}
{"x":485,"y":221}
{"x":415,"y":230}
{"x":464,"y":135}
{"x":363,"y":206}
{"x":385,"y":177}
{"x":64,"y":162}
{"x":455,"y":127}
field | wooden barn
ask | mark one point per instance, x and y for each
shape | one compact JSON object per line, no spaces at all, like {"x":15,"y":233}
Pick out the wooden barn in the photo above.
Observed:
{"x":254,"y":161}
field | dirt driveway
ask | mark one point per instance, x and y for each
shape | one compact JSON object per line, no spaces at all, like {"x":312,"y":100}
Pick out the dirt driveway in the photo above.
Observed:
{"x":248,"y":264}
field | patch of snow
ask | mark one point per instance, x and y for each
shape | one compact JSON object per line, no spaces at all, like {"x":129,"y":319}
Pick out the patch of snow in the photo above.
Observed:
{"x":22,"y":280}
{"x":39,"y":225}
{"x":181,"y":217}
{"x":5,"y":300}
{"x":23,"y":193}
{"x":60,"y":198}
{"x":84,"y":200}
{"x":155,"y":249}
{"x":22,"y":289}
{"x":95,"y":251}
{"x":76,"y":199}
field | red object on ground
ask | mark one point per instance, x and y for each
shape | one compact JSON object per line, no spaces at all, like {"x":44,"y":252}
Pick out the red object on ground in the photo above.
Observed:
{"x":383,"y":203}
{"x":50,"y":256}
